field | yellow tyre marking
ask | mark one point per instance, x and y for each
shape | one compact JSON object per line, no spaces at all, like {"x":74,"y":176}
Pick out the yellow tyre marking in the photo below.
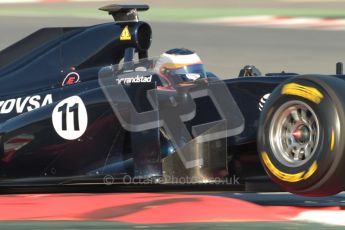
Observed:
{"x":286,"y":176}
{"x":310,"y":171}
{"x":309,"y":93}
{"x":332,"y":140}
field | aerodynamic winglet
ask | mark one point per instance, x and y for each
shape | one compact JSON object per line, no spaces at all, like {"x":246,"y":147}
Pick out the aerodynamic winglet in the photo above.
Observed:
{"x":125,"y":13}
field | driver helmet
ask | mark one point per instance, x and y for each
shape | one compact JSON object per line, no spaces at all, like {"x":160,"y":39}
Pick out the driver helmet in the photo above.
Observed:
{"x":178,"y":66}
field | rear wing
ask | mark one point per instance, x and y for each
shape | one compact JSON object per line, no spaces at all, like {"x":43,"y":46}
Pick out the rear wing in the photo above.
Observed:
{"x":125,"y":13}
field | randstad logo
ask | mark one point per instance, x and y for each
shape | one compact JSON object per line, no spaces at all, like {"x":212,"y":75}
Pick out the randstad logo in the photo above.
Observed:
{"x":137,"y":79}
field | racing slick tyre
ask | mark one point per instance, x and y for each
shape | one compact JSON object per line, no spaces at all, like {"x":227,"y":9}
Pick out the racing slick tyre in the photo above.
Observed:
{"x":301,"y":135}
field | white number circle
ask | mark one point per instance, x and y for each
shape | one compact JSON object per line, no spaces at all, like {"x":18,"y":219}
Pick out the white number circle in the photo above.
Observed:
{"x":70,"y":118}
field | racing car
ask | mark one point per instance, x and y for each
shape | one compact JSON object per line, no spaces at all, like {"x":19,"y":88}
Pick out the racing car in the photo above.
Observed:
{"x":85,"y":105}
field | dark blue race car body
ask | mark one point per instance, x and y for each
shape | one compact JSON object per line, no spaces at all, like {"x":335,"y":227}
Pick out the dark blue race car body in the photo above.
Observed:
{"x":54,"y":64}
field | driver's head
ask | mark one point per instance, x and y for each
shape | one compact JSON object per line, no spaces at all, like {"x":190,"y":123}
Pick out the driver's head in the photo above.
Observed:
{"x":180,"y":65}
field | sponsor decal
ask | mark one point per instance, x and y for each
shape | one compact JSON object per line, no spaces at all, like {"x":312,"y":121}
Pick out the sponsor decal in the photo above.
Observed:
{"x":24,"y":104}
{"x":125,"y":35}
{"x":137,"y":79}
{"x":71,"y":78}
{"x":263,"y":101}
{"x":70,"y":118}
{"x":286,"y":176}
{"x":309,"y":93}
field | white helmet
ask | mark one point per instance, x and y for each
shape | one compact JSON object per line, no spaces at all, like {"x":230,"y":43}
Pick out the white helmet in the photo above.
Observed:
{"x":181,"y":65}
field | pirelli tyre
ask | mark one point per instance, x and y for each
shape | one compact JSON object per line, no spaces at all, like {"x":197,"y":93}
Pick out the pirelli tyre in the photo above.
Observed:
{"x":301,"y":135}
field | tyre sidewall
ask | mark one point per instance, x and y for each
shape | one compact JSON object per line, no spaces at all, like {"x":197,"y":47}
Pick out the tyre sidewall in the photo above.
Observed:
{"x":327,"y":154}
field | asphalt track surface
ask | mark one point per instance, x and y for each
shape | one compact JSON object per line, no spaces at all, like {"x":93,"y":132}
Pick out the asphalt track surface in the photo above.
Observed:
{"x":224,"y":50}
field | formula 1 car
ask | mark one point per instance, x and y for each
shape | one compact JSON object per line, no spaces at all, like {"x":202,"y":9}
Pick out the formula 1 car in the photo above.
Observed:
{"x":77,"y":108}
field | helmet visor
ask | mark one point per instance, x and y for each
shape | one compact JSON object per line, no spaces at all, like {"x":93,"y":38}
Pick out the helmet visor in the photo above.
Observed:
{"x":187,"y":73}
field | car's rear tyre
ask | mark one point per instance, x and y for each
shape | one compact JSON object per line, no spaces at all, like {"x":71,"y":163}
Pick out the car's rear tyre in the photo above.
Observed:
{"x":301,"y":135}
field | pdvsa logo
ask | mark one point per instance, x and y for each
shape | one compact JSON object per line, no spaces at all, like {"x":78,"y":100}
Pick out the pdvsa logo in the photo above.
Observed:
{"x":27,"y":104}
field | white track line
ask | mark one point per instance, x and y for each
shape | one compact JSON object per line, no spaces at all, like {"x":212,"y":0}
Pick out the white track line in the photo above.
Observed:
{"x":280,"y":22}
{"x":322,"y":217}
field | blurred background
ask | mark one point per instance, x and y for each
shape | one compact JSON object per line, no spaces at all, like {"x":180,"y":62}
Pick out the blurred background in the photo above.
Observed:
{"x":304,"y":36}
